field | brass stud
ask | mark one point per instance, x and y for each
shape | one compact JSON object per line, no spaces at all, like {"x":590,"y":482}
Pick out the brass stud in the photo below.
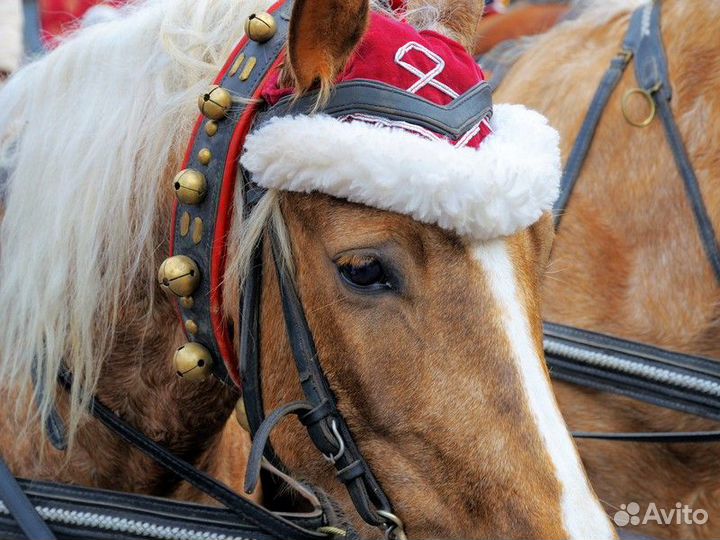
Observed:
{"x":197,"y":232}
{"x":187,"y":302}
{"x":247,"y":70}
{"x":211,"y":128}
{"x":260,"y":26}
{"x":179,"y":275}
{"x":193,"y":362}
{"x":237,"y":64}
{"x":204,"y":156}
{"x":241,"y":415}
{"x":215,"y":103}
{"x":191,"y":326}
{"x":185,"y":224}
{"x":190,"y":186}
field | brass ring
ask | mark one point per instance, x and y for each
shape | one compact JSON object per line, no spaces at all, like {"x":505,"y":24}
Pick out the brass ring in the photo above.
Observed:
{"x":651,"y":102}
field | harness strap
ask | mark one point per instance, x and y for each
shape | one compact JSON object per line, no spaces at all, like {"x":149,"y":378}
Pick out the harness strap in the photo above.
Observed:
{"x":54,"y":425}
{"x":244,"y":508}
{"x":261,"y":438}
{"x":689,"y":384}
{"x":643,"y":41}
{"x":665,"y":437}
{"x":21,"y":508}
{"x":330,"y":434}
{"x":580,"y":149}
{"x":651,"y":72}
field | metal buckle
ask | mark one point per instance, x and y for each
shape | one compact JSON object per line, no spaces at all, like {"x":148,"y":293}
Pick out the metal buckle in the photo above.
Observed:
{"x":626,"y":55}
{"x":648,"y":95}
{"x":341,"y":445}
{"x":395,"y":529}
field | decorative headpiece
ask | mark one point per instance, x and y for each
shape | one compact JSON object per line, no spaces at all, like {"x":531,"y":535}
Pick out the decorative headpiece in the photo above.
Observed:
{"x":407,"y":127}
{"x":410,"y":128}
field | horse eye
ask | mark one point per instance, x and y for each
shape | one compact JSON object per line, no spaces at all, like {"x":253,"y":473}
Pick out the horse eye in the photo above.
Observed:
{"x":364,"y":272}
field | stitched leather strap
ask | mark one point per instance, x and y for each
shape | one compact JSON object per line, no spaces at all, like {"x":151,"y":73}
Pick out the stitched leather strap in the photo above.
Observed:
{"x":20,"y":507}
{"x":375,"y":98}
{"x":245,"y":509}
{"x":364,"y":489}
{"x":634,"y":381}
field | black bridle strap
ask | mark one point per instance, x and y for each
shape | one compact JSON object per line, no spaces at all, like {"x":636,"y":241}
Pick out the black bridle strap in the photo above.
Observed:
{"x":325,"y":422}
{"x":651,"y":72}
{"x":664,"y":437}
{"x":54,"y":425}
{"x":580,"y":149}
{"x":244,"y":508}
{"x":261,"y":439}
{"x":643,"y":41}
{"x":21,"y":508}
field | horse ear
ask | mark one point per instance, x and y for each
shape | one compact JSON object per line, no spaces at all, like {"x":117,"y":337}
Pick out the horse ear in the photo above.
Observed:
{"x":322,"y":36}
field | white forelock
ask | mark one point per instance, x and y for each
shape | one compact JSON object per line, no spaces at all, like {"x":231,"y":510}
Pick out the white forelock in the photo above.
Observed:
{"x":495,"y":190}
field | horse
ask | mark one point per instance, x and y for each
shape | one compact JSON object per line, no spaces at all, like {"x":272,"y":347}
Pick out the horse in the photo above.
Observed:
{"x":628,"y":260}
{"x":440,"y":377}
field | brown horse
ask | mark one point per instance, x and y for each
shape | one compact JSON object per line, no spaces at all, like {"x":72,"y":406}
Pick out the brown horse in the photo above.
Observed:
{"x":627,"y":259}
{"x":443,"y":386}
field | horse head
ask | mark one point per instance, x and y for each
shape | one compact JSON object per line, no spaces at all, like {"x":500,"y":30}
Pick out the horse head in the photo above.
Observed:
{"x":415,"y":248}
{"x":417,"y":262}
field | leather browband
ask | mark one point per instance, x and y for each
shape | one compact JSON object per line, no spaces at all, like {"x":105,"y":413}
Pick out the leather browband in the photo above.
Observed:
{"x":212,"y":216}
{"x":379,"y":99}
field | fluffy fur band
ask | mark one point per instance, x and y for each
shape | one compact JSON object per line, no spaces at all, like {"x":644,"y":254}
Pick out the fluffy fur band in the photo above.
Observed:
{"x":495,"y":190}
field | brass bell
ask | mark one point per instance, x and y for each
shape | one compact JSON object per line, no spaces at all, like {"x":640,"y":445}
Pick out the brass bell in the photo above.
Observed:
{"x":193,"y":362}
{"x":179,"y":275}
{"x":260,"y":27}
{"x":190,"y":186}
{"x":241,"y":415}
{"x":215,"y":103}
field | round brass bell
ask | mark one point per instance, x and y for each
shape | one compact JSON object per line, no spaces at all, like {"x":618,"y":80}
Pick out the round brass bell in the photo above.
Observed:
{"x":190,"y":186}
{"x":241,"y":415}
{"x":260,"y":27}
{"x":193,"y":362}
{"x":215,"y":103}
{"x":179,"y":275}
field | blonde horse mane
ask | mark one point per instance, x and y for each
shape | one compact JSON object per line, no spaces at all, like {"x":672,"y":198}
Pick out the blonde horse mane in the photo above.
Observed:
{"x":90,"y":136}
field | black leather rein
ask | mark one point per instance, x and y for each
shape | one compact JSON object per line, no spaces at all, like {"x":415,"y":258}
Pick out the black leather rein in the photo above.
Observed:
{"x":319,"y":412}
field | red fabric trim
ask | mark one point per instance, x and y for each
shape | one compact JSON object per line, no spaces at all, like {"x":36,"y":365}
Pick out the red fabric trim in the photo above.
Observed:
{"x":222,"y":226}
{"x":60,"y":17}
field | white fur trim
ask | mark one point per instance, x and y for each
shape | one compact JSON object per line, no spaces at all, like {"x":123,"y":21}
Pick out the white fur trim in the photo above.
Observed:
{"x":495,"y":190}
